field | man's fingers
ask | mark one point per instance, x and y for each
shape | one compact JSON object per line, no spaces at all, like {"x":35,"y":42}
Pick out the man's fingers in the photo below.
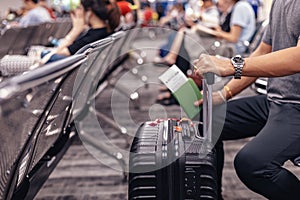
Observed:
{"x":203,"y":64}
{"x":198,"y":103}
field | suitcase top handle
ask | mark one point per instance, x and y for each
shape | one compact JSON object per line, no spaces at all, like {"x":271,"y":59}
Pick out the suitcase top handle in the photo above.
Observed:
{"x":210,"y":78}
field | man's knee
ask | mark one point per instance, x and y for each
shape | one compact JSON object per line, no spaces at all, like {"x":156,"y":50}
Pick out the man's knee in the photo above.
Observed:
{"x":242,"y":164}
{"x":249,"y":166}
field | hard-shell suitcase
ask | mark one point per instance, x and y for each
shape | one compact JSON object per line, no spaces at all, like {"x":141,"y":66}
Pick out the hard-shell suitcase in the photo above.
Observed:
{"x":171,"y":160}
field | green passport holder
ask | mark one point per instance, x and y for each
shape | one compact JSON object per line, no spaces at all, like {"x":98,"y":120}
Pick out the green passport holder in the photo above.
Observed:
{"x":186,"y":95}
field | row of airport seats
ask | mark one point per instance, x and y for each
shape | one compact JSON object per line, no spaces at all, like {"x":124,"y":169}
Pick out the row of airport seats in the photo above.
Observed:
{"x":18,"y":40}
{"x":43,"y":110}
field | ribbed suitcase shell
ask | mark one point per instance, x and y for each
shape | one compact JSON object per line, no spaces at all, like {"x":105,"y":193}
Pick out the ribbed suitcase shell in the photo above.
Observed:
{"x":171,"y":163}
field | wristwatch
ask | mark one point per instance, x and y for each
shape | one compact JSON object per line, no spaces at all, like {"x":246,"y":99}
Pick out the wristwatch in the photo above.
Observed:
{"x":238,"y":63}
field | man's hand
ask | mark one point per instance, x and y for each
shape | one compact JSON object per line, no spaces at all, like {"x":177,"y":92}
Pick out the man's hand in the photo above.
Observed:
{"x":217,"y":65}
{"x":217,"y":99}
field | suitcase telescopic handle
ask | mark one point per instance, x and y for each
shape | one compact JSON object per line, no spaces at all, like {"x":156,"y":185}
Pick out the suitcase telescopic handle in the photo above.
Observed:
{"x":207,"y":83}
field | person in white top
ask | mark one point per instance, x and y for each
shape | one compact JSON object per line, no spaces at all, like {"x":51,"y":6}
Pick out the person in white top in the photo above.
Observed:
{"x":36,"y":14}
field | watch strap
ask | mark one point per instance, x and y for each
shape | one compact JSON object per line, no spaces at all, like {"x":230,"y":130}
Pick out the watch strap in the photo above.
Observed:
{"x":238,"y":71}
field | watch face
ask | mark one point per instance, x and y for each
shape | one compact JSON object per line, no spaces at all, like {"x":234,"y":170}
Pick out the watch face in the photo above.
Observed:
{"x":238,"y":60}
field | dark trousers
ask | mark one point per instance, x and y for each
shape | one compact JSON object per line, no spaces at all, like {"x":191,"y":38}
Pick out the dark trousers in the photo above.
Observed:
{"x":258,"y":164}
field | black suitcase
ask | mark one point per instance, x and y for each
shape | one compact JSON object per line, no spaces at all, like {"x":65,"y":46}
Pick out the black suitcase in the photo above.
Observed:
{"x":171,"y":160}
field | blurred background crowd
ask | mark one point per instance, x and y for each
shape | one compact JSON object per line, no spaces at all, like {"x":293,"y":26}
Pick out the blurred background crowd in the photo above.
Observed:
{"x":77,"y":23}
{"x":144,"y":12}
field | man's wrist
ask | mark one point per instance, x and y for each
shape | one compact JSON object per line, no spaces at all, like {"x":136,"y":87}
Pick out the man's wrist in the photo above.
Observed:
{"x":228,"y":92}
{"x":231,"y":69}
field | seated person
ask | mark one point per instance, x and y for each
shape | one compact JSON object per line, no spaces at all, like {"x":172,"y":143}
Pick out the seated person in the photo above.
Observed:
{"x":174,"y":18}
{"x":209,"y":17}
{"x":238,"y":25}
{"x":36,"y":14}
{"x":44,"y":4}
{"x":147,"y":15}
{"x":92,"y":21}
{"x":127,"y":14}
{"x":242,"y":23}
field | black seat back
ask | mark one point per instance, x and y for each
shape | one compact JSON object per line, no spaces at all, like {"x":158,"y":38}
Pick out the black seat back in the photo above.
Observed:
{"x":22,"y":41}
{"x":7,"y":39}
{"x":101,"y":62}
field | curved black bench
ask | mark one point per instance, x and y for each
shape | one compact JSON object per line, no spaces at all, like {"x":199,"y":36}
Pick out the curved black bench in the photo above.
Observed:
{"x":35,"y":117}
{"x":38,"y":111}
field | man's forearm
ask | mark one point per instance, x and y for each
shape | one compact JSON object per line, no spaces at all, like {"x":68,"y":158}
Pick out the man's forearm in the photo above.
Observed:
{"x":279,"y":63}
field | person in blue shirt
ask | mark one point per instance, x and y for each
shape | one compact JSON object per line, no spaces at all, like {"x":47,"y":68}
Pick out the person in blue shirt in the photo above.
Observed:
{"x":242,"y":23}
